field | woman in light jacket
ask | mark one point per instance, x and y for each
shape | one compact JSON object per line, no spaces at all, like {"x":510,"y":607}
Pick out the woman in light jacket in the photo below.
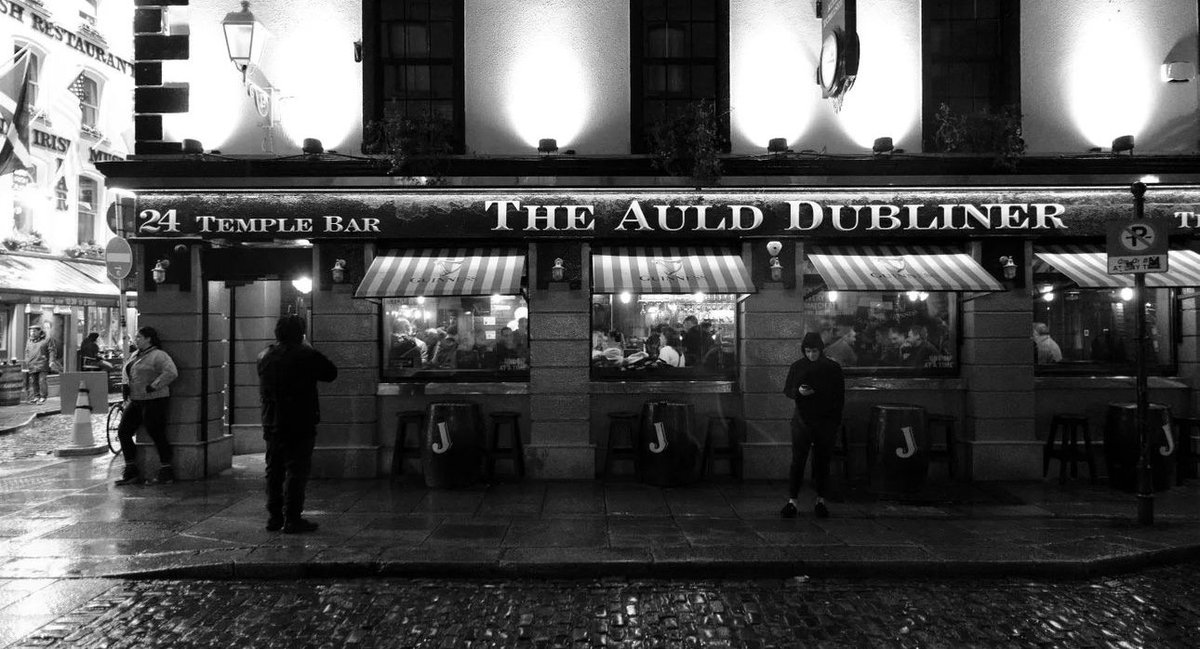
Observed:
{"x":147,"y":376}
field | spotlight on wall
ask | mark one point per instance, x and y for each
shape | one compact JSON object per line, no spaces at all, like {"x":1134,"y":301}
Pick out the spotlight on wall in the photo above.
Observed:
{"x":773,"y":249}
{"x":1008,"y":267}
{"x":882,"y":146}
{"x":159,"y":274}
{"x":312,"y":146}
{"x":1122,"y":144}
{"x":556,"y":272}
{"x":547,"y":145}
{"x":777,"y":145}
{"x":338,"y":272}
{"x":192,"y":147}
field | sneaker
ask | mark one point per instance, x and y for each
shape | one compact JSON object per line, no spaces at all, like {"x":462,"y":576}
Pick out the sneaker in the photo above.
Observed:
{"x":789,"y":510}
{"x":166,"y":475}
{"x":274,"y":523}
{"x":41,"y":400}
{"x":821,"y":510}
{"x":299,"y":526}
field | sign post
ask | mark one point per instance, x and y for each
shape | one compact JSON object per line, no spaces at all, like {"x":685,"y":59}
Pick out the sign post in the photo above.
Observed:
{"x":1138,"y":247}
{"x":118,"y":260}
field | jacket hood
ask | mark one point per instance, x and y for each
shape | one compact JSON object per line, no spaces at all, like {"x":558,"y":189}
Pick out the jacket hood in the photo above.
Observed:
{"x":812,"y":340}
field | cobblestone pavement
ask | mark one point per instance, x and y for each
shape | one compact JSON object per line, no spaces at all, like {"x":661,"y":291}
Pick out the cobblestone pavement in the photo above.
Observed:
{"x":1155,"y":608}
{"x":44,"y":435}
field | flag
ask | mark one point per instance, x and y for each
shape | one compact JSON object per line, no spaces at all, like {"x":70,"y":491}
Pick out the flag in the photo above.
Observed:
{"x":14,"y":114}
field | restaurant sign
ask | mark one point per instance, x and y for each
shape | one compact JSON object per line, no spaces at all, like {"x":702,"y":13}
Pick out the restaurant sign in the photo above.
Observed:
{"x":594,"y":213}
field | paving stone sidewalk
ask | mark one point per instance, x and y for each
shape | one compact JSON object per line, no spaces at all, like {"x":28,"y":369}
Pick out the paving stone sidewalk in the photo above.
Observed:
{"x":62,"y":518}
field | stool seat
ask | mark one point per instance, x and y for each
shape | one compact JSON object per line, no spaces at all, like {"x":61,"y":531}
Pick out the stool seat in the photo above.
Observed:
{"x":1068,"y":427}
{"x":515,"y":451}
{"x":730,"y":451}
{"x":404,"y":419}
{"x":1187,"y":453}
{"x":626,"y":423}
{"x":948,"y":423}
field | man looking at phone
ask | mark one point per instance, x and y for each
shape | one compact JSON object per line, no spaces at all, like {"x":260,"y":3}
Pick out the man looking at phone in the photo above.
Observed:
{"x":816,"y":384}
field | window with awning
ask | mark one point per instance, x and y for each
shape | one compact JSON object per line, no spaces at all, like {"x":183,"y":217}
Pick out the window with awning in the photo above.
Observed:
{"x":669,"y":269}
{"x":451,"y":313}
{"x":899,"y":268}
{"x":1085,"y":319}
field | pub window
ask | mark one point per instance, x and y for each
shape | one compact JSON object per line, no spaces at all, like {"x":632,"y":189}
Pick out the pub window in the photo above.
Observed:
{"x":86,"y":207}
{"x":971,"y":58}
{"x":679,"y":54}
{"x":25,"y":189}
{"x":1091,"y":330}
{"x":87,"y":88}
{"x":416,"y":71}
{"x":664,"y":336}
{"x":35,"y":71}
{"x":459,"y":337}
{"x":887,"y":332}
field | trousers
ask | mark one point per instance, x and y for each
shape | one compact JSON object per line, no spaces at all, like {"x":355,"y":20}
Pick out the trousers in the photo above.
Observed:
{"x":819,"y":435}
{"x":151,"y":413}
{"x":289,"y":462}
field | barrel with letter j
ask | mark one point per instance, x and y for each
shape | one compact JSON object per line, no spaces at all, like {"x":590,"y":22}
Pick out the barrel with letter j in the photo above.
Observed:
{"x":899,"y":446}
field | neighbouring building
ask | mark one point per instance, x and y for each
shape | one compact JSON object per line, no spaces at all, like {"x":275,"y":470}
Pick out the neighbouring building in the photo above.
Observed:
{"x":569,"y":209}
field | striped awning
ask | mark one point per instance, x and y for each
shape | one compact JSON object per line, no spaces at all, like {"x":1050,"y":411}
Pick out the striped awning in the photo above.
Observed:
{"x":444,"y":271}
{"x":55,"y":281}
{"x":900,"y":268}
{"x":669,"y":269}
{"x":1087,"y":266}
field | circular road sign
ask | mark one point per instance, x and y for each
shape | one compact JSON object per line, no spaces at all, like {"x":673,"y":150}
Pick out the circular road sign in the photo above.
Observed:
{"x":118,"y":258}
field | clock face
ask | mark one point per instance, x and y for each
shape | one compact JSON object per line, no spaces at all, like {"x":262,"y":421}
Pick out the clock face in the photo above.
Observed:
{"x":829,"y":61}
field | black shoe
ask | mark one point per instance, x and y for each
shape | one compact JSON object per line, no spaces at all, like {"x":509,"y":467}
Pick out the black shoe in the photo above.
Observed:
{"x":166,"y":475}
{"x":821,"y":510}
{"x":299,"y":526}
{"x":274,"y":523}
{"x":789,"y":510}
{"x":129,"y":479}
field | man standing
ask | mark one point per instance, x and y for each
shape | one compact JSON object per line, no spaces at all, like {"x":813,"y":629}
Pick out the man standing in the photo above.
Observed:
{"x":817,"y":386}
{"x":37,"y":364}
{"x":288,"y":372}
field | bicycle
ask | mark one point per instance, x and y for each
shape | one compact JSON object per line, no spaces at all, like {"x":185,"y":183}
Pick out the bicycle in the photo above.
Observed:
{"x":115,"y":411}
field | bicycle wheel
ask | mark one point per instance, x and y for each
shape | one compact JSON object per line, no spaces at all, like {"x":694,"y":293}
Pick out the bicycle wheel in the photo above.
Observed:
{"x":114,"y":421}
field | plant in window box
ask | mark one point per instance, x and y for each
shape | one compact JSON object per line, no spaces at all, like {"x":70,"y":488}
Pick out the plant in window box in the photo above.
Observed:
{"x":87,"y":250}
{"x":689,"y":143}
{"x":993,"y":132}
{"x":416,"y":145}
{"x":21,"y":241}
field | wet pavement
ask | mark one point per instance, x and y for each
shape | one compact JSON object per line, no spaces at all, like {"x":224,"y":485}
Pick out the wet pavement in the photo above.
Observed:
{"x":63,"y":518}
{"x":1153,"y":608}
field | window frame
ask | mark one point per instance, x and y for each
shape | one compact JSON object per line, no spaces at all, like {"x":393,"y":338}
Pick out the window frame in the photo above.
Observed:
{"x":34,"y":78}
{"x":90,"y":213}
{"x":374,"y":101}
{"x":638,"y":60}
{"x":98,"y":81}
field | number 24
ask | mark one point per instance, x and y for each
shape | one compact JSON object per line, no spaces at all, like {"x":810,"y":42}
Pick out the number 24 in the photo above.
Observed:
{"x":156,"y":222}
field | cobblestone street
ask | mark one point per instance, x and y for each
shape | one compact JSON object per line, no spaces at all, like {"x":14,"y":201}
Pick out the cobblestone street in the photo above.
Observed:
{"x":1156,"y":608}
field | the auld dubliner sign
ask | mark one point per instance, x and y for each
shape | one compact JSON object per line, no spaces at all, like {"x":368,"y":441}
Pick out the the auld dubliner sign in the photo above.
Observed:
{"x":616,"y":214}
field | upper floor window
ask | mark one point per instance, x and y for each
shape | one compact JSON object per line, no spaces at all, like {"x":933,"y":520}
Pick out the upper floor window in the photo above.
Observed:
{"x":416,"y":72}
{"x":87,"y":88}
{"x":971,"y":58}
{"x":86,"y":206}
{"x":35,"y":69}
{"x":25,"y":191}
{"x":679,"y":55}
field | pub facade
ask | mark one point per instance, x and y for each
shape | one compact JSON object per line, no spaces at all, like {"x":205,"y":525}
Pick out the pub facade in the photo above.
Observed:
{"x":572,"y":288}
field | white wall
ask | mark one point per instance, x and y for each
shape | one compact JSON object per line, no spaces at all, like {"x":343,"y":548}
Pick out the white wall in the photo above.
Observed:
{"x":1090,"y":72}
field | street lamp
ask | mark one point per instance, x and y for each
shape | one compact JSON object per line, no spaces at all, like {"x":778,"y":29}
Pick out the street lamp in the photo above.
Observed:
{"x":245,"y":39}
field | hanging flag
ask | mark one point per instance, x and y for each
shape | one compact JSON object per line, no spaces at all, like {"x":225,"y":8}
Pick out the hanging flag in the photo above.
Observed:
{"x":14,"y":113}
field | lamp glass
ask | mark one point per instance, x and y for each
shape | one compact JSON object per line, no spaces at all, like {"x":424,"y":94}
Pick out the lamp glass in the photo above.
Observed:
{"x":245,"y":37}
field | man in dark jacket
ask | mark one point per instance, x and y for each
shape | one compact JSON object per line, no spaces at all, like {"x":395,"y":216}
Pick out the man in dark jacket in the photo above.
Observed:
{"x":288,"y":372}
{"x":817,"y":386}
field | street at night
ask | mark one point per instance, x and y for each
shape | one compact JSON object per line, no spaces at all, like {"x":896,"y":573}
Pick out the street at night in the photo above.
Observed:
{"x":1153,"y":608}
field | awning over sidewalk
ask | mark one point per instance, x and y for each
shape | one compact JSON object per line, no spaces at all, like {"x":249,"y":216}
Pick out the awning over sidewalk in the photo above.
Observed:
{"x":444,"y":271}
{"x":900,"y":268}
{"x":48,"y":280}
{"x":669,"y":269}
{"x":1087,"y":266}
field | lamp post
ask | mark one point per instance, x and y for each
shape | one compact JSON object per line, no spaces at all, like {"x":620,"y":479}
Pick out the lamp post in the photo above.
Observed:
{"x":245,"y":39}
{"x":1145,"y":476}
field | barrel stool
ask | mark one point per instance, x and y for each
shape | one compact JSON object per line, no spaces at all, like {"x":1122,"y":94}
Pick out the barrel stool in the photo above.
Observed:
{"x":404,"y":419}
{"x":510,"y":421}
{"x":1068,"y":428}
{"x":621,"y":424}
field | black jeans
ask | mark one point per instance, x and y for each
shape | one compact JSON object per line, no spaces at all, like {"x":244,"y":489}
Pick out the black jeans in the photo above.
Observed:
{"x":151,"y":413}
{"x":289,"y":461}
{"x":820,"y":435}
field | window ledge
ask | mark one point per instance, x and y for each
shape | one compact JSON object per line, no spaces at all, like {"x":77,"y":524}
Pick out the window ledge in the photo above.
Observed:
{"x":914,"y":383}
{"x":1106,"y":382}
{"x":407,"y":389}
{"x":662,"y":387}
